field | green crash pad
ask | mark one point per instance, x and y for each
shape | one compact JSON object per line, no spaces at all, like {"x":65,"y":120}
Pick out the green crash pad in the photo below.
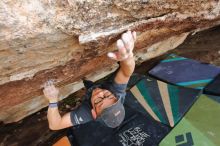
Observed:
{"x":164,"y":102}
{"x":199,"y":127}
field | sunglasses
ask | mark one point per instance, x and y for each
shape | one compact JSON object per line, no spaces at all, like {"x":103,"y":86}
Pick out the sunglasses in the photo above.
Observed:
{"x":100,"y":99}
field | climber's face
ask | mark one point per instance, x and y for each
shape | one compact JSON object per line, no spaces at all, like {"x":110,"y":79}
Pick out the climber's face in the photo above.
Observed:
{"x":101,"y":99}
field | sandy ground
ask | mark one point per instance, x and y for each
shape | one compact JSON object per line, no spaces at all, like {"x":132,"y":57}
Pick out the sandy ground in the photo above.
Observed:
{"x":34,"y":131}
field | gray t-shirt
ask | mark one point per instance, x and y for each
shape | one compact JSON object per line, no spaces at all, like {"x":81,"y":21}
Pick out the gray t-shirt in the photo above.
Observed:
{"x":82,"y":114}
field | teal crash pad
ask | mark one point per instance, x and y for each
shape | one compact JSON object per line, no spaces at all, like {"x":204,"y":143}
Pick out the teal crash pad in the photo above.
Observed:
{"x":166,"y":103}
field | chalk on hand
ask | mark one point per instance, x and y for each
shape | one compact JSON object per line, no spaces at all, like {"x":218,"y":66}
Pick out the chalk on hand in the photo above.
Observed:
{"x":111,"y":55}
{"x":48,"y":83}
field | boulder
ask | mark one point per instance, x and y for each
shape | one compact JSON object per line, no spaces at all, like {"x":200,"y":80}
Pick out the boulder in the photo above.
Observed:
{"x":67,"y":40}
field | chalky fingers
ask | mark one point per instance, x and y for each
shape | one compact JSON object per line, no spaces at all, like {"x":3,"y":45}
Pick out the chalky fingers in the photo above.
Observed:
{"x":121,"y":49}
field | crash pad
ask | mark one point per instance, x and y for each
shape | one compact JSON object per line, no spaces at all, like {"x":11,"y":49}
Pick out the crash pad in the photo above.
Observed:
{"x":166,"y":103}
{"x":199,"y":127}
{"x":136,"y":129}
{"x":185,"y":72}
{"x":213,"y":88}
{"x":64,"y":141}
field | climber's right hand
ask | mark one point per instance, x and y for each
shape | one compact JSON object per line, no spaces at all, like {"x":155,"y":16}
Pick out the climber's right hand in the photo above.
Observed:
{"x":51,"y":92}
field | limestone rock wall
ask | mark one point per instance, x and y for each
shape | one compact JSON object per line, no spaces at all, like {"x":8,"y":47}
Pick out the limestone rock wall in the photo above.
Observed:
{"x":66,"y":40}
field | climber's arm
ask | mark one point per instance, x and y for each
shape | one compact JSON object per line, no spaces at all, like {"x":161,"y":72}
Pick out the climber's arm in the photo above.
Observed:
{"x":124,"y":54}
{"x":55,"y":120}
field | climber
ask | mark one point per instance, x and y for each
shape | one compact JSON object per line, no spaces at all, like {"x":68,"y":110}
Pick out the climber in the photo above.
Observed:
{"x":103,"y":102}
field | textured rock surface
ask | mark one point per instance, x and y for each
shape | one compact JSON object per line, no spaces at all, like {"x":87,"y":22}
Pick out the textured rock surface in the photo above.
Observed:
{"x":34,"y":129}
{"x":66,"y":40}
